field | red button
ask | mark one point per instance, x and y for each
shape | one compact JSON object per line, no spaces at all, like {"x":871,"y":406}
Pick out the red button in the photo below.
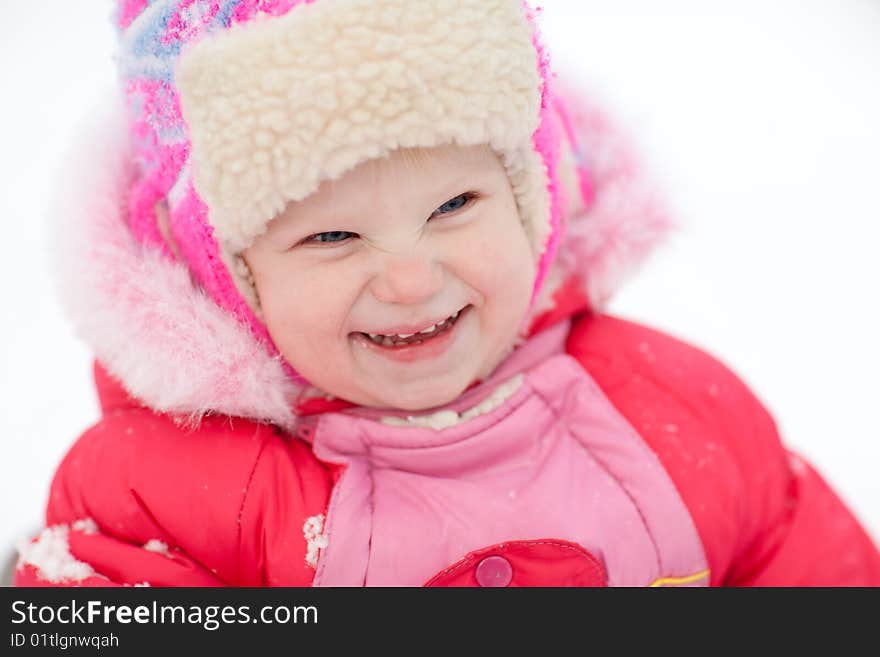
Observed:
{"x":494,"y":571}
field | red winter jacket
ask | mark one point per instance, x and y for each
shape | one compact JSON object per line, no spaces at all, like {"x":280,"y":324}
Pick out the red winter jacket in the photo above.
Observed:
{"x":228,"y":500}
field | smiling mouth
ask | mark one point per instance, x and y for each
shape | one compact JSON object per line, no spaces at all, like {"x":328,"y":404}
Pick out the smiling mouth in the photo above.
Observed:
{"x":410,"y":339}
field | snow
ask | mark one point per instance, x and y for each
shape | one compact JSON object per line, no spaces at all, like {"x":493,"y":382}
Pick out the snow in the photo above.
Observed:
{"x":155,"y":545}
{"x":315,"y":540}
{"x":758,"y":118}
{"x":85,"y":525}
{"x":50,"y":555}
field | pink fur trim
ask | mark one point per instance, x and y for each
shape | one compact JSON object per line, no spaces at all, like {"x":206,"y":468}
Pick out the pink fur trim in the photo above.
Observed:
{"x":147,"y":322}
{"x":624,"y":217}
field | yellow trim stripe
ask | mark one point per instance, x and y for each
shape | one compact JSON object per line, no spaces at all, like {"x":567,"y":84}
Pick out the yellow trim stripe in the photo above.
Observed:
{"x":676,"y":581}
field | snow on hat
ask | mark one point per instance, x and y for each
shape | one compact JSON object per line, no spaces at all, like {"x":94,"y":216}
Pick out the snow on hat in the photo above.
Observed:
{"x":238,"y":107}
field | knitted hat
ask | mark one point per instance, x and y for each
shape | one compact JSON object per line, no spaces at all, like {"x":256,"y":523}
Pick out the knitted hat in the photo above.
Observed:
{"x":238,"y":107}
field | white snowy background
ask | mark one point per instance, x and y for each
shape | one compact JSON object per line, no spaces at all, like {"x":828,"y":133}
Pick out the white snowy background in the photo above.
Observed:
{"x":760,"y":119}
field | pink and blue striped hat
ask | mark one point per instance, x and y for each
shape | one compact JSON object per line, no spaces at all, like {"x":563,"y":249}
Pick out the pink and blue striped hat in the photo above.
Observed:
{"x":238,"y":107}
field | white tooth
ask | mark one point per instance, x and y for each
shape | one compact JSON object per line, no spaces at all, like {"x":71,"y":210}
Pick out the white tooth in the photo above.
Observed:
{"x":429,"y":329}
{"x":455,"y":314}
{"x":374,"y":336}
{"x":388,"y":342}
{"x":405,"y":335}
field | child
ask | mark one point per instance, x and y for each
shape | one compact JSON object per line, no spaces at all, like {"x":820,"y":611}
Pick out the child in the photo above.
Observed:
{"x":343,"y":274}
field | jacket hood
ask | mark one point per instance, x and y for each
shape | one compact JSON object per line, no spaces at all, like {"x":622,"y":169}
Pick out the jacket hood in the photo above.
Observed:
{"x":164,"y":338}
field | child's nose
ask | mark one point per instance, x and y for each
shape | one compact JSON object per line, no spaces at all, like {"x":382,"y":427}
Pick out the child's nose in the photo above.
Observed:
{"x":407,"y":279}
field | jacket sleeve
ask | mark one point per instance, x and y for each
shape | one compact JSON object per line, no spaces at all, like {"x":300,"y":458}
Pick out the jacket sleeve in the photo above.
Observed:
{"x":140,"y":500}
{"x":765,"y":516}
{"x":108,"y":523}
{"x":815,"y":540}
{"x":80,"y":554}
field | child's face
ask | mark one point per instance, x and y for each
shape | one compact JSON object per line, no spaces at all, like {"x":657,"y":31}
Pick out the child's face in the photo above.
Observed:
{"x":394,"y":247}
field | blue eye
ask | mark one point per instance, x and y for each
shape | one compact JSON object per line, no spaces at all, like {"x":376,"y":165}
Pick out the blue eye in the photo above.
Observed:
{"x":454,"y":204}
{"x":330,"y":237}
